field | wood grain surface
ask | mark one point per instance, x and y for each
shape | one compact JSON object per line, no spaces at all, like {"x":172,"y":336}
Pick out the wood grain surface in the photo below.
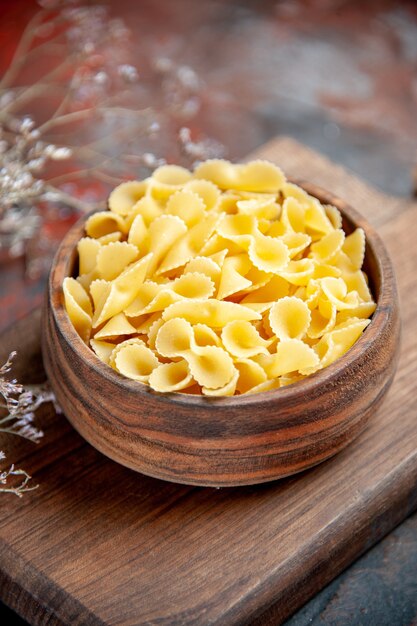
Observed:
{"x":100,"y":544}
{"x":233,"y":441}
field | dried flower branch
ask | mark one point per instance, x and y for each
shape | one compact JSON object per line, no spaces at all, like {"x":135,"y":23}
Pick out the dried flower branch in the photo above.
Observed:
{"x":19,"y":489}
{"x":199,"y":150}
{"x":19,"y":403}
{"x":93,"y":95}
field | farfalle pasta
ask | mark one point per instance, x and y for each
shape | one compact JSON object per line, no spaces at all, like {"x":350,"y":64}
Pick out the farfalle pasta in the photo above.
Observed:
{"x":223,"y":281}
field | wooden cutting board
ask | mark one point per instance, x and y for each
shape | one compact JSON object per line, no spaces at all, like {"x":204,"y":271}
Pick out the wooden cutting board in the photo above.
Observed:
{"x":100,"y":544}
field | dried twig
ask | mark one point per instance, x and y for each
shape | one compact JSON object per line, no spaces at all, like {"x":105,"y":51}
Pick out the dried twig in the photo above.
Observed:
{"x":19,"y":489}
{"x":23,"y":47}
{"x":19,"y":405}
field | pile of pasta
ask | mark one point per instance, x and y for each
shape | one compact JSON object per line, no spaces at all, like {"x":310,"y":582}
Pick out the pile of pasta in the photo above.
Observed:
{"x":222,"y":281}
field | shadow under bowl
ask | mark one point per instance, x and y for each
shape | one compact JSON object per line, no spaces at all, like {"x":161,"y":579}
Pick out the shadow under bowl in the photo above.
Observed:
{"x":220,"y":442}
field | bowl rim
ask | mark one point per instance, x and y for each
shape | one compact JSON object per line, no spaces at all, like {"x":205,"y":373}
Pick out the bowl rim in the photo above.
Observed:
{"x":379,"y":319}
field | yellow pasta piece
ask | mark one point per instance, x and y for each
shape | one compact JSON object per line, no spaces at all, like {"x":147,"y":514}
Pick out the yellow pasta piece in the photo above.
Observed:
{"x":290,"y":190}
{"x":103,"y":223}
{"x":144,"y":323}
{"x":187,"y":205}
{"x":264,"y":225}
{"x":293,"y":215}
{"x":337,"y":342}
{"x":296,"y":242}
{"x":255,"y":195}
{"x":147,"y":207}
{"x":334,"y":215}
{"x":163,"y":233}
{"x":115,"y":327}
{"x":103,"y":349}
{"x":298,"y":272}
{"x":227,"y":203}
{"x":325,"y":249}
{"x":354,"y":247}
{"x":265,"y":296}
{"x":204,"y":265}
{"x":292,"y":355}
{"x":258,"y":278}
{"x":362,"y":310}
{"x":356,"y":281}
{"x":321,"y":270}
{"x":206,"y":190}
{"x":316,"y":219}
{"x":232,"y":278}
{"x":289,"y":318}
{"x":174,"y":338}
{"x":87,"y":254}
{"x":260,"y":208}
{"x":105,"y":239}
{"x":98,"y":290}
{"x":135,"y":361}
{"x":214,"y":313}
{"x":336,"y":291}
{"x":268,"y":385}
{"x":312,"y":294}
{"x":219,"y":257}
{"x":124,"y":196}
{"x":133,"y":341}
{"x":290,"y":379}
{"x":87,"y":279}
{"x":227,"y":390}
{"x":78,"y":306}
{"x":240,"y":229}
{"x":154,"y":297}
{"x":242,"y":339}
{"x":278,"y":229}
{"x":323,"y":319}
{"x":146,"y":297}
{"x":168,"y":179}
{"x":190,"y":244}
{"x":266,"y":253}
{"x":212,"y":367}
{"x":121,"y":292}
{"x":193,"y":286}
{"x":257,"y":176}
{"x":251,"y":374}
{"x":217,"y":245}
{"x":114,"y":257}
{"x":138,"y":232}
{"x":205,"y":336}
{"x":169,"y":377}
{"x":153,"y":331}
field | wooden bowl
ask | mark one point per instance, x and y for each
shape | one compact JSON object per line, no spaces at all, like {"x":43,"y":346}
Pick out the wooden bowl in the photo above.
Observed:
{"x":224,"y":441}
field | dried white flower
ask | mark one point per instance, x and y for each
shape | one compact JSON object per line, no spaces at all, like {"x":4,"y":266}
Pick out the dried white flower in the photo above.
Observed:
{"x":17,"y":489}
{"x":199,"y":150}
{"x":101,"y":78}
{"x":60,"y":154}
{"x":188,"y":78}
{"x":19,"y":404}
{"x":151,"y":161}
{"x":129,"y":73}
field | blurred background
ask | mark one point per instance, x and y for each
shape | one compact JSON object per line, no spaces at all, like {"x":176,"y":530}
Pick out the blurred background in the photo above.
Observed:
{"x":94,"y":93}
